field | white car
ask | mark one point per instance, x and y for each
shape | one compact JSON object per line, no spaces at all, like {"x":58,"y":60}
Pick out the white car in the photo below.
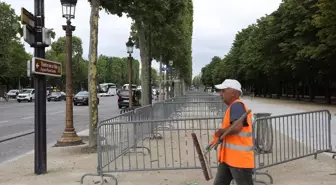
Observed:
{"x":26,"y":95}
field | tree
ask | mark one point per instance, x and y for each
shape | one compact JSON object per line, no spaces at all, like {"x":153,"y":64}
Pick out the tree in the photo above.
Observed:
{"x":18,"y":65}
{"x":13,"y":57}
{"x":57,"y":52}
{"x":148,"y":15}
{"x":155,"y":77}
{"x":9,"y":28}
{"x":158,"y":32}
{"x":92,"y":70}
{"x":196,"y":82}
{"x":289,"y":52}
{"x":115,"y":70}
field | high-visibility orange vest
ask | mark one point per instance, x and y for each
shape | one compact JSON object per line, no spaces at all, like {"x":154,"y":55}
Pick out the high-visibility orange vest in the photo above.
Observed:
{"x":237,"y":150}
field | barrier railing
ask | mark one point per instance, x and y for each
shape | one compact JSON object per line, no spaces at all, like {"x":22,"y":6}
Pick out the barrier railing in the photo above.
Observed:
{"x":195,"y":98}
{"x":174,"y":151}
{"x":294,"y":136}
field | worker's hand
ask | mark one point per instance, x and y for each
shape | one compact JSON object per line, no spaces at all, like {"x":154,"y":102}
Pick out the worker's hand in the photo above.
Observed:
{"x":207,"y":147}
{"x":219,"y":132}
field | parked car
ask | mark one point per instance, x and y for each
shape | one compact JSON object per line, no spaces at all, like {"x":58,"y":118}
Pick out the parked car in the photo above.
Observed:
{"x":56,"y":96}
{"x":13,"y":93}
{"x":123,"y":98}
{"x":26,"y":95}
{"x":82,"y":98}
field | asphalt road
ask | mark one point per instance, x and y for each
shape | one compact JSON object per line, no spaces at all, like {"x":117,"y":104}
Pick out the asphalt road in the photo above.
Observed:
{"x":19,"y":117}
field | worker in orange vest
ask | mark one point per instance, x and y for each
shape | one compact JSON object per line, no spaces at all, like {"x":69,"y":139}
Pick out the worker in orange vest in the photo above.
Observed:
{"x":236,"y":156}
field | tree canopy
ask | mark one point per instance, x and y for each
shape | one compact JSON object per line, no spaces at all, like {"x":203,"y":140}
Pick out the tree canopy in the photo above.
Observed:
{"x":115,"y":70}
{"x":162,"y":30}
{"x":57,"y":52}
{"x":289,"y":52}
{"x":13,"y":57}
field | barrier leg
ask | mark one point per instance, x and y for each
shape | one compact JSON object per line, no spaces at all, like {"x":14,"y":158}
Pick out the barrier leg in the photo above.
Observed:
{"x":102,"y":180}
{"x":134,"y":150}
{"x":154,"y":136}
{"x":263,"y":173}
{"x":108,"y":175}
{"x":87,"y":174}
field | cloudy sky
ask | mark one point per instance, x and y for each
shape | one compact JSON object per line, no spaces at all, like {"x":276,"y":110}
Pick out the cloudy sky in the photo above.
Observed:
{"x":215,"y":24}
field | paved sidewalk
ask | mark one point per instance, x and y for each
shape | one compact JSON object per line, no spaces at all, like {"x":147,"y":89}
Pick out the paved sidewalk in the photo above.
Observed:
{"x":67,"y":165}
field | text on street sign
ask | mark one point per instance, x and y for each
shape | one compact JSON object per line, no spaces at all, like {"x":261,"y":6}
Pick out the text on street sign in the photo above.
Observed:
{"x":45,"y":67}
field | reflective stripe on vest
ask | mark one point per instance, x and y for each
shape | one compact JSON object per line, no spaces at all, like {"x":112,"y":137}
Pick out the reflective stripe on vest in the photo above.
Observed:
{"x":237,"y":147}
{"x":244,"y":134}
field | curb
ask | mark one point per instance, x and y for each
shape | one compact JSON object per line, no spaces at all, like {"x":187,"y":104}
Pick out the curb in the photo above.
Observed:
{"x":49,"y":145}
{"x":16,"y":135}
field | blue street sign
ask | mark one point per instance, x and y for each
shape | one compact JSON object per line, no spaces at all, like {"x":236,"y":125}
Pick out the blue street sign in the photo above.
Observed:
{"x":165,"y":68}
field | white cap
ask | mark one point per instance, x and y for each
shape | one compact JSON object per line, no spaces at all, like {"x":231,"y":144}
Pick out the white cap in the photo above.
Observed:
{"x":230,"y":83}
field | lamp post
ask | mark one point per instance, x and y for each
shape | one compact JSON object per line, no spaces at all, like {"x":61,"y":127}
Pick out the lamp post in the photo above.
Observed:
{"x":69,"y":136}
{"x":171,"y":77}
{"x":129,"y":46}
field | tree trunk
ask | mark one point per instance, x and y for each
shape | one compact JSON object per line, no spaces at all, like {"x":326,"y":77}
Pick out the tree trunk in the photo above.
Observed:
{"x":279,"y":90}
{"x":183,"y":86}
{"x":327,"y":91}
{"x":93,"y":72}
{"x":144,"y":64}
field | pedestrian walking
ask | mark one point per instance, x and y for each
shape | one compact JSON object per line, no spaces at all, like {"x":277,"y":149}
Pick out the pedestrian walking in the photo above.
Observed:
{"x":236,"y":157}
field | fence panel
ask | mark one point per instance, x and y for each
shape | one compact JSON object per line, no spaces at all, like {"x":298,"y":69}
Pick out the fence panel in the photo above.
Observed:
{"x":291,"y":137}
{"x":174,"y":151}
{"x":177,"y":110}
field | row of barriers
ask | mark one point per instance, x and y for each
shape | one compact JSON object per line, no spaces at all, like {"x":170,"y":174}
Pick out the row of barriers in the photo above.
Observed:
{"x":157,"y":137}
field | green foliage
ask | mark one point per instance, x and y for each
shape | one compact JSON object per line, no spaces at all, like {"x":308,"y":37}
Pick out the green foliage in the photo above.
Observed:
{"x":13,"y":57}
{"x":57,"y":52}
{"x":197,"y":82}
{"x":115,"y":70}
{"x":168,"y":24}
{"x":155,"y":77}
{"x":289,"y":52}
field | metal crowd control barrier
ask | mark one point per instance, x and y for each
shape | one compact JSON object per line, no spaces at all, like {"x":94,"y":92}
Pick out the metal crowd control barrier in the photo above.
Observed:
{"x":195,"y":98}
{"x":166,"y":110}
{"x":294,"y":136}
{"x":174,"y":151}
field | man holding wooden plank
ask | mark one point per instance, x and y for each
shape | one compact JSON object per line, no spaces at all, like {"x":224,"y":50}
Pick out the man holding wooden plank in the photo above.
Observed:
{"x":236,"y":156}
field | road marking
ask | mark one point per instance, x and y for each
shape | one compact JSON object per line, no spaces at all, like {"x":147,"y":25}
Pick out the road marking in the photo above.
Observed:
{"x":56,"y":112}
{"x":4,"y":121}
{"x":16,"y":135}
{"x":49,"y":145}
{"x":29,"y":117}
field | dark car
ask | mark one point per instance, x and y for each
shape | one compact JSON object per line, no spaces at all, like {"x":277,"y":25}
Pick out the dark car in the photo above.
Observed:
{"x":123,"y":98}
{"x":56,"y":96}
{"x":82,"y":98}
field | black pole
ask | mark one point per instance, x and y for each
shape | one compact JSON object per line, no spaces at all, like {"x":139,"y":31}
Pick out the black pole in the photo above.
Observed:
{"x":40,"y":95}
{"x":171,"y":82}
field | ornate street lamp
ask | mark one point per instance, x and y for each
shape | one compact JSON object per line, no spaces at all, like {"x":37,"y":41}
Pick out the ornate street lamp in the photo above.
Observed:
{"x":69,"y":136}
{"x":69,"y":8}
{"x":129,"y":47}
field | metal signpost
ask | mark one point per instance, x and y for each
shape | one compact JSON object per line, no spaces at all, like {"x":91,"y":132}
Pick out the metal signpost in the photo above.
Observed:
{"x":39,"y":37}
